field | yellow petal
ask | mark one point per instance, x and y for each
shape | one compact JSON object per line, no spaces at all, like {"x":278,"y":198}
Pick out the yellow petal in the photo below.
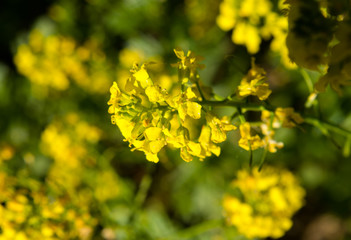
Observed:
{"x":143,"y":77}
{"x":151,"y":157}
{"x":153,"y":133}
{"x":190,"y":94}
{"x":154,"y":94}
{"x":194,"y":148}
{"x":156,"y":146}
{"x":193,"y":110}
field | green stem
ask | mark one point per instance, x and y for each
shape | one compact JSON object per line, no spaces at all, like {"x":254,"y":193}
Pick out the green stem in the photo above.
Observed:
{"x":200,"y":91}
{"x":326,"y":127}
{"x":239,"y":104}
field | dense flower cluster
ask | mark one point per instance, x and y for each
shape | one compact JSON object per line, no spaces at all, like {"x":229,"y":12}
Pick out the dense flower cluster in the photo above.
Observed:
{"x":254,"y":20}
{"x":55,"y":61}
{"x":69,"y":142}
{"x":149,"y":117}
{"x":29,"y":210}
{"x":64,"y":205}
{"x":266,"y":202}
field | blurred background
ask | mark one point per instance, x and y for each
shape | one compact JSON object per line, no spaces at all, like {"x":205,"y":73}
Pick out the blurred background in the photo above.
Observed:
{"x":66,"y":172}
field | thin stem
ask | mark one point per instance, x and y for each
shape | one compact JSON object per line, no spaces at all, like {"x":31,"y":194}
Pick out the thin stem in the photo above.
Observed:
{"x":200,"y":91}
{"x":326,"y":127}
{"x":143,"y":189}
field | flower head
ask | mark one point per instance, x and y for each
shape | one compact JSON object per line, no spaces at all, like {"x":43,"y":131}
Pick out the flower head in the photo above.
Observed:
{"x":268,"y":200}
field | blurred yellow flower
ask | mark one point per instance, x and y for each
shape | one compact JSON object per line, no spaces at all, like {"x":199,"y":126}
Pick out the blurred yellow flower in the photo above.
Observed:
{"x":253,"y":21}
{"x":268,"y":200}
{"x":55,"y":62}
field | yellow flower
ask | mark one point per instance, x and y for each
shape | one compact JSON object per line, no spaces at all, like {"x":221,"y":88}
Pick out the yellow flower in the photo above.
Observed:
{"x":185,"y":106}
{"x":54,"y":61}
{"x":247,"y":34}
{"x":254,"y":20}
{"x":219,"y":128}
{"x":189,"y":60}
{"x":247,"y":141}
{"x":254,"y":83}
{"x":206,"y":143}
{"x":267,"y":201}
{"x":142,"y":76}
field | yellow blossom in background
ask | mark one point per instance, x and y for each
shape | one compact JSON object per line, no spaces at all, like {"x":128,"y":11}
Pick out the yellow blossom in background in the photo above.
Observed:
{"x":55,"y":62}
{"x":67,"y":143}
{"x":253,"y":21}
{"x":36,"y":213}
{"x":267,"y":203}
{"x":6,"y":152}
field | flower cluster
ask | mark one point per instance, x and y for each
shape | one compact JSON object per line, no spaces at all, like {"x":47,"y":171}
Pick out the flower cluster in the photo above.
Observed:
{"x":67,"y":142}
{"x":254,"y":20}
{"x":55,"y":61}
{"x":31,"y":211}
{"x":150,"y":117}
{"x":266,"y":202}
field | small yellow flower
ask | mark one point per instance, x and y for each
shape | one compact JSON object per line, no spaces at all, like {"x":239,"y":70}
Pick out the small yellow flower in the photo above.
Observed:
{"x":219,"y":128}
{"x":247,"y":141}
{"x":254,"y":83}
{"x":189,"y":60}
{"x":206,"y":143}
